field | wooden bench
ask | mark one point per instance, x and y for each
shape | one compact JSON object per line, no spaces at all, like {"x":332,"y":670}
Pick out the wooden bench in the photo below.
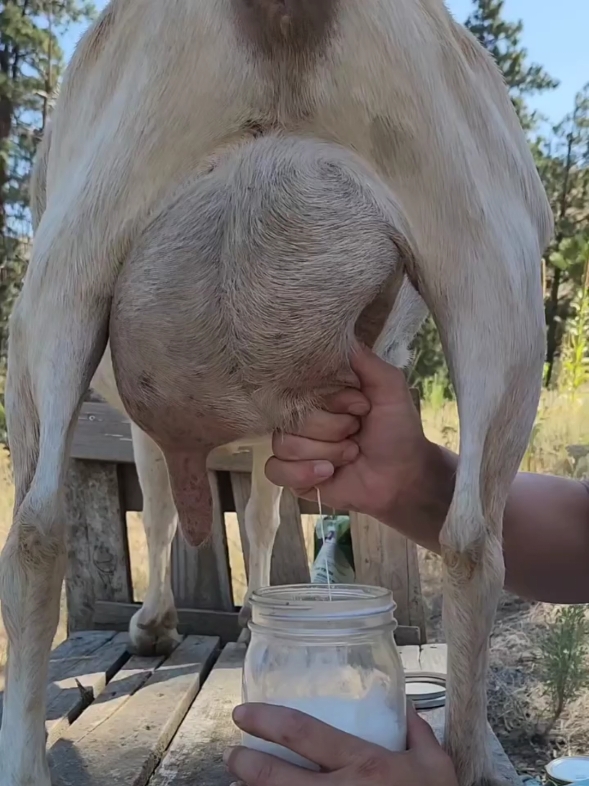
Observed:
{"x":116,"y":720}
{"x":102,"y":487}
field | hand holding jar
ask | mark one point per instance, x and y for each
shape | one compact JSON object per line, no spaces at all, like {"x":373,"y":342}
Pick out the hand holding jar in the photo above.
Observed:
{"x":344,"y":760}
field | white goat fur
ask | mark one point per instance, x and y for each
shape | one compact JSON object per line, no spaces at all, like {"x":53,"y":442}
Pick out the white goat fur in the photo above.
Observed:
{"x":235,"y":269}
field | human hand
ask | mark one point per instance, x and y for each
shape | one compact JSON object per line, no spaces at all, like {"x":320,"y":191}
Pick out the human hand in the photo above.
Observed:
{"x":365,"y":451}
{"x":344,"y":760}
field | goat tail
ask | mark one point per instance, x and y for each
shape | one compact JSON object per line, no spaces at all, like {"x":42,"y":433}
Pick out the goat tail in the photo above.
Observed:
{"x":276,"y":22}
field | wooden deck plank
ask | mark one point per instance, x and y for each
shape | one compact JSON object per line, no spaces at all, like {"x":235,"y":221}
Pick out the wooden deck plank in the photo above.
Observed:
{"x":80,"y":644}
{"x":127,"y":747}
{"x":382,"y":558}
{"x":196,"y":754}
{"x":131,"y":677}
{"x":86,"y":679}
{"x":410,"y":658}
{"x":65,"y":659}
{"x":203,"y":622}
{"x":434,"y":657}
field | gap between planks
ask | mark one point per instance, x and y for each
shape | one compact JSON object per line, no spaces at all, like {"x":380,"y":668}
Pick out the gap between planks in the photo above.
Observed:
{"x":121,"y":738}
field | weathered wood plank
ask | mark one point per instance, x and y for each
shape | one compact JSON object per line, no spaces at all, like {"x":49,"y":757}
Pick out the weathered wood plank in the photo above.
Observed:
{"x":98,"y":566}
{"x":407,"y":635}
{"x":381,"y":557}
{"x":78,"y":645}
{"x":127,"y":747}
{"x":434,"y":657}
{"x":224,"y":624}
{"x":195,"y":756}
{"x":128,"y":680}
{"x":65,"y":659}
{"x":86,"y":678}
{"x":290,"y":561}
{"x":102,"y":434}
{"x":415,"y":603}
{"x":410,"y":658}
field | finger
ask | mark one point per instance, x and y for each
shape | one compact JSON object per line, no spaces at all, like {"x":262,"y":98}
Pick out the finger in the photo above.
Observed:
{"x":291,"y":447}
{"x":419,"y":733}
{"x":326,"y":426}
{"x":260,"y":769}
{"x":330,"y":748}
{"x":347,"y":401}
{"x":380,"y":381}
{"x":300,"y":476}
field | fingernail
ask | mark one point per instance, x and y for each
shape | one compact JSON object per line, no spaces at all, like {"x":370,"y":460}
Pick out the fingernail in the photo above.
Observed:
{"x":227,"y":755}
{"x":239,"y":714}
{"x":323,"y":470}
{"x":359,"y":408}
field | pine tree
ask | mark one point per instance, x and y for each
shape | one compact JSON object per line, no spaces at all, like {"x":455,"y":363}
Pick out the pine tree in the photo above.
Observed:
{"x":563,"y":163}
{"x":523,"y":79}
{"x":31,"y":64}
{"x":503,"y":40}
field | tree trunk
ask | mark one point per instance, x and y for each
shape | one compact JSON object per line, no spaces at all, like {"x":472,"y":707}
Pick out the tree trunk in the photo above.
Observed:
{"x":552,"y":322}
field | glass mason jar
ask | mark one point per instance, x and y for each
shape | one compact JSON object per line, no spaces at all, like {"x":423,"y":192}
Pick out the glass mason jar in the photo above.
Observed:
{"x":328,"y":652}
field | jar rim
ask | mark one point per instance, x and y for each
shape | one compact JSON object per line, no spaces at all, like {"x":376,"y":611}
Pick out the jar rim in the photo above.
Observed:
{"x":320,"y":601}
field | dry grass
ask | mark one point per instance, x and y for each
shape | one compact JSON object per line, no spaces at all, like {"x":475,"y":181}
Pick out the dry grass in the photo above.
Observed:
{"x":516,"y":696}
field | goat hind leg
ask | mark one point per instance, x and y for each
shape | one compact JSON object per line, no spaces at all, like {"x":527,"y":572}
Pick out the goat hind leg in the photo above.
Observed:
{"x":58,"y":333}
{"x":262,"y":520}
{"x":153,"y":627}
{"x":496,"y":353}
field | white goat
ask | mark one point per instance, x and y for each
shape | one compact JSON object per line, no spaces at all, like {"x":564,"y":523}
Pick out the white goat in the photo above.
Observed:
{"x":234,"y":189}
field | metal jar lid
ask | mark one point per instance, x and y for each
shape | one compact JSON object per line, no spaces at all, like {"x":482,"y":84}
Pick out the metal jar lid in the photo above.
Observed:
{"x":568,"y":770}
{"x":427,"y":690}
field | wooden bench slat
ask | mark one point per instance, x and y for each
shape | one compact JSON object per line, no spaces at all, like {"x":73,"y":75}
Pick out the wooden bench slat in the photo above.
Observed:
{"x":223,"y":624}
{"x":127,"y":747}
{"x":98,"y":566}
{"x":66,"y":658}
{"x":434,"y":657}
{"x":196,"y":754}
{"x":68,"y":695}
{"x":128,"y":680}
{"x":410,"y":658}
{"x":384,"y":558}
{"x":102,"y":434}
{"x":78,"y":645}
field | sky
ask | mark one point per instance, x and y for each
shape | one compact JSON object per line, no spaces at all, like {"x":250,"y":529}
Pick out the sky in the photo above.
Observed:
{"x":556,"y":35}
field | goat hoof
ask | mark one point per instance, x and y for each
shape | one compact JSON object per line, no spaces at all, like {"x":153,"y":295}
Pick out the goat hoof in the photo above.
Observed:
{"x":152,"y":638}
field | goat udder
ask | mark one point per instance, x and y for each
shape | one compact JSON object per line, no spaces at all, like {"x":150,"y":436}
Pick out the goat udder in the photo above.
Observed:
{"x":192,"y":494}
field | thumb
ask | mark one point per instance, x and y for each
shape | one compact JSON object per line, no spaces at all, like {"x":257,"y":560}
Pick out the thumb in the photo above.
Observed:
{"x":379,"y":381}
{"x":419,"y":733}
